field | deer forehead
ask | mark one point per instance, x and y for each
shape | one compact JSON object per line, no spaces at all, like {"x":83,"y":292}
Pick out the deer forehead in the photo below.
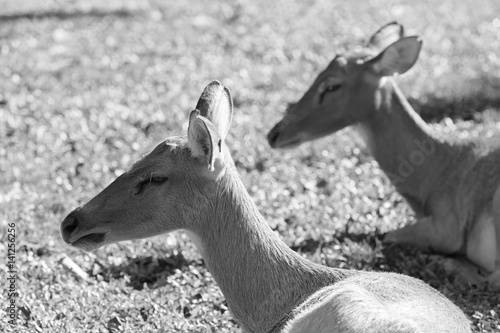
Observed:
{"x":346,"y":68}
{"x":343,"y":67}
{"x":163,"y":155}
{"x":346,"y":65}
{"x":360,"y":54}
{"x":337,"y":65}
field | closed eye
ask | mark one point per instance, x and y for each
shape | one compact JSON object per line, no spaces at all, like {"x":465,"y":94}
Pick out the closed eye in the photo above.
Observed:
{"x":151,"y":180}
{"x":328,"y":89}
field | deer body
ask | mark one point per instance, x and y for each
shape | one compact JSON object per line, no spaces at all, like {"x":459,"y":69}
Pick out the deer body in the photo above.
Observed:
{"x":192,"y":184}
{"x":452,"y":185}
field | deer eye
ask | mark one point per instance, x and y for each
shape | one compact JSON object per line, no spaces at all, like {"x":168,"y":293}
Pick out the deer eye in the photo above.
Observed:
{"x":151,"y":180}
{"x":328,"y":89}
{"x":158,"y":179}
{"x":332,"y":87}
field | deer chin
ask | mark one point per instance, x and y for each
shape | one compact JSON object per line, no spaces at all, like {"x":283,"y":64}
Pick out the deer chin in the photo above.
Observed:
{"x":288,"y":141}
{"x":90,"y":242}
{"x":289,"y":144}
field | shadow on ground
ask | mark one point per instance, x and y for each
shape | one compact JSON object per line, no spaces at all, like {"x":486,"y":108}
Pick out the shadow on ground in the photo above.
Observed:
{"x":65,"y":14}
{"x":368,"y":252}
{"x":146,"y":270}
{"x":482,"y":94}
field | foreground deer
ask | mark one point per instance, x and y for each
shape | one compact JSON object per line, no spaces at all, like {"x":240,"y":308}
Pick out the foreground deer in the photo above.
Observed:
{"x":192,"y":184}
{"x":453,"y":186}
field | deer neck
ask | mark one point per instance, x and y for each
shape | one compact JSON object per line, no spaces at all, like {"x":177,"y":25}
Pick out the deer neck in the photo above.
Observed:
{"x":402,"y":143}
{"x":261,"y":278}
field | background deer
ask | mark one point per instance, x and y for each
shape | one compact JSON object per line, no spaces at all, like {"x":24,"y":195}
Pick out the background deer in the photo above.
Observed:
{"x":452,"y":185}
{"x":191,"y":183}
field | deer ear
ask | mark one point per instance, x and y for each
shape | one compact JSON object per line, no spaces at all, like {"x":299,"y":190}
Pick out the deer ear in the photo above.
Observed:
{"x":385,"y":36}
{"x":397,"y":58}
{"x":216,"y":105}
{"x":203,"y":139}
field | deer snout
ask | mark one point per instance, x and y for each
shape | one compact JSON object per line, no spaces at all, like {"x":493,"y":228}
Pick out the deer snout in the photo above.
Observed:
{"x":274,"y":133}
{"x":68,"y":226}
{"x":283,"y":135}
{"x":77,"y":231}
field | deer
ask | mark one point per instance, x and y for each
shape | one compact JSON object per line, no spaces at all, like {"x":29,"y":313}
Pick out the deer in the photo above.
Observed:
{"x":452,"y":185}
{"x":191,"y":183}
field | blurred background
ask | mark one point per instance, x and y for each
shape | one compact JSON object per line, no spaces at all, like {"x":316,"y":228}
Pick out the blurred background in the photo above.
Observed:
{"x":87,"y":87}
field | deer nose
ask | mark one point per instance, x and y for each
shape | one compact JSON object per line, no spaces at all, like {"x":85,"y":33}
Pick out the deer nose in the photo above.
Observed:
{"x":68,"y":226}
{"x":273,"y":135}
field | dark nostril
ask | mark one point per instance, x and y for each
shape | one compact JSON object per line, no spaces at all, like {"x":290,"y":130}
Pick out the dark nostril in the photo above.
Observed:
{"x":273,"y":135}
{"x":69,"y":225}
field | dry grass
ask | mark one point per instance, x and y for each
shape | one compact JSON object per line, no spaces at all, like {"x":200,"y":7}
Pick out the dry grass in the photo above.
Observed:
{"x":88,"y":87}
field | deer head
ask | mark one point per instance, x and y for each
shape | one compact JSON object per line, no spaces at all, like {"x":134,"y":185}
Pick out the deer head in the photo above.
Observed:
{"x":165,"y":190}
{"x":345,"y":93}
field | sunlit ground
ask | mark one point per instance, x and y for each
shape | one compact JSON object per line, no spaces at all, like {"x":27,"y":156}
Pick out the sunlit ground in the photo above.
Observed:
{"x":87,"y":87}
